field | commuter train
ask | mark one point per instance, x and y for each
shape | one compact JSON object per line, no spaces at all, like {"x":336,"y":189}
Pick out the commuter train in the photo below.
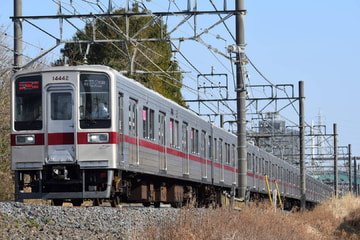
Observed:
{"x":88,"y":132}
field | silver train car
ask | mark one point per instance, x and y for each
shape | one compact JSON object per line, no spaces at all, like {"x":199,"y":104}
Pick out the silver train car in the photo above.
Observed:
{"x":285,"y":175}
{"x":88,"y":132}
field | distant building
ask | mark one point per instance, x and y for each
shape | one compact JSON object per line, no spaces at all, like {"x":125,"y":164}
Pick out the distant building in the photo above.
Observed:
{"x":343,"y":181}
{"x":275,"y":137}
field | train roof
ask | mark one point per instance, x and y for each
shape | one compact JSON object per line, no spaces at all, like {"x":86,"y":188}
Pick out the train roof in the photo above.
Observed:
{"x":65,"y":68}
{"x":98,"y":68}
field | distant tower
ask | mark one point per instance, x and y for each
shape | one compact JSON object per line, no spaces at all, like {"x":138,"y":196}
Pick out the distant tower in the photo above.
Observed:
{"x":320,"y":138}
{"x":318,"y":147}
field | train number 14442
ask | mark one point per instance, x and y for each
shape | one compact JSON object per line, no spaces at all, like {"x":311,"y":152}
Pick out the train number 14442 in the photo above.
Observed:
{"x":60,"y":78}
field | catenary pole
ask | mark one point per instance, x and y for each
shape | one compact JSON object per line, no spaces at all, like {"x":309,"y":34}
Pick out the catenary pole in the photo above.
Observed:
{"x":355,"y":178}
{"x":350,"y":175}
{"x":302,"y":146}
{"x":241,"y":99}
{"x":336,"y":177}
{"x":17,"y":35}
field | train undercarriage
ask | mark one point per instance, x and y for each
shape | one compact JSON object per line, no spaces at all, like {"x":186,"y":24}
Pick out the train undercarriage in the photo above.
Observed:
{"x":69,"y":183}
{"x":61,"y":183}
{"x":287,"y":203}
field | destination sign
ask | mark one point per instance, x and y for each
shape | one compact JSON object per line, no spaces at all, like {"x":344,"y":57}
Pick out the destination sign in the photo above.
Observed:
{"x":28,"y":85}
{"x":94,"y":83}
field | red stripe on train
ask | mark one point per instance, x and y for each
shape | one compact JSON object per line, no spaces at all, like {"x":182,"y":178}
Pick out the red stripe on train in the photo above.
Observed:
{"x":115,"y":138}
{"x":63,"y":138}
{"x":60,"y":138}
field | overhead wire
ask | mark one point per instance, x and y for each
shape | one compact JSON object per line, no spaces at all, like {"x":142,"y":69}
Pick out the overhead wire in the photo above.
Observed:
{"x":118,"y":30}
{"x":226,"y":27}
{"x":159,"y":67}
{"x":94,"y":5}
{"x":192,"y":27}
{"x":26,"y":43}
{"x":193,"y":67}
{"x":89,"y":6}
{"x":272,"y":84}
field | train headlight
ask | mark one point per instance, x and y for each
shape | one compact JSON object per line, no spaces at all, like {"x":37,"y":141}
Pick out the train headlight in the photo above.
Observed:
{"x":98,"y":137}
{"x":25,"y":139}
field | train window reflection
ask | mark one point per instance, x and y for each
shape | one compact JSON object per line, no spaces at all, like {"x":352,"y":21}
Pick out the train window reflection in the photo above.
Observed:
{"x":28,"y":103}
{"x":61,"y":106}
{"x":148,"y":117}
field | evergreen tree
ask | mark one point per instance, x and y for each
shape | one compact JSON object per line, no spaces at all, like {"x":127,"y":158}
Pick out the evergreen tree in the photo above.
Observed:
{"x":130,"y":53}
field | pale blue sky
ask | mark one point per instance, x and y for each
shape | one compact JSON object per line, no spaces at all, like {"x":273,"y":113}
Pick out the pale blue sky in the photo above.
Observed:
{"x":317,"y":42}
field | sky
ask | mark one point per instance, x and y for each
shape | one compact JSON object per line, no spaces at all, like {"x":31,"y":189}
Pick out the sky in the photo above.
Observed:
{"x":317,"y":42}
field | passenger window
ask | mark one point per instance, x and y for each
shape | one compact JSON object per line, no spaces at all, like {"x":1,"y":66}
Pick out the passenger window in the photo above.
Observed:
{"x":233,"y":155}
{"x":216,"y":159}
{"x":148,"y":117}
{"x":220,"y":151}
{"x":61,"y":106}
{"x":184,"y":138}
{"x":203,"y":145}
{"x":194,"y":136}
{"x":227,"y":153}
{"x":210,"y":144}
{"x":174,"y":133}
{"x":248,"y":158}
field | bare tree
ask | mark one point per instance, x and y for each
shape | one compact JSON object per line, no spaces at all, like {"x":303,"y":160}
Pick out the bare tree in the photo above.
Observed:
{"x":6,"y":59}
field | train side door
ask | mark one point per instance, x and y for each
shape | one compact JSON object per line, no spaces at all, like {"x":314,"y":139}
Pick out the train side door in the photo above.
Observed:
{"x":221,"y":159}
{"x":60,"y":137}
{"x":162,"y":146}
{"x":121,"y":128}
{"x":133,"y":133}
{"x":185,"y":148}
{"x":203,"y":155}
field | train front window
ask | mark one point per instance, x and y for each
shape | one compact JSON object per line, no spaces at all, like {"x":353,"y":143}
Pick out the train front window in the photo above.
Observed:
{"x":28,"y":102}
{"x":94,"y":101}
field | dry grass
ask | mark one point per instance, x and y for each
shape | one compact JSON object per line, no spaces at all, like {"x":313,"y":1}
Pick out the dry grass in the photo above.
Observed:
{"x":6,"y":182}
{"x":335,"y":219}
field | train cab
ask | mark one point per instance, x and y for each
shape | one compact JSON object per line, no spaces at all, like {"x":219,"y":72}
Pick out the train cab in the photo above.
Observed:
{"x":59,"y":118}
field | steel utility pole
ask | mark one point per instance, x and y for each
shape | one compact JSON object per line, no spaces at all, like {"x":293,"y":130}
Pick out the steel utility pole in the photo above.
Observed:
{"x":336,"y":177}
{"x":241,"y":99}
{"x":302,"y":146}
{"x":17,"y":35}
{"x":355,"y":178}
{"x":350,"y":176}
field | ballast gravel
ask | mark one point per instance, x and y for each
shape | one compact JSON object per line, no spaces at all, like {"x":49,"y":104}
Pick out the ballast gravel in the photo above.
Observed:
{"x":37,"y":221}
